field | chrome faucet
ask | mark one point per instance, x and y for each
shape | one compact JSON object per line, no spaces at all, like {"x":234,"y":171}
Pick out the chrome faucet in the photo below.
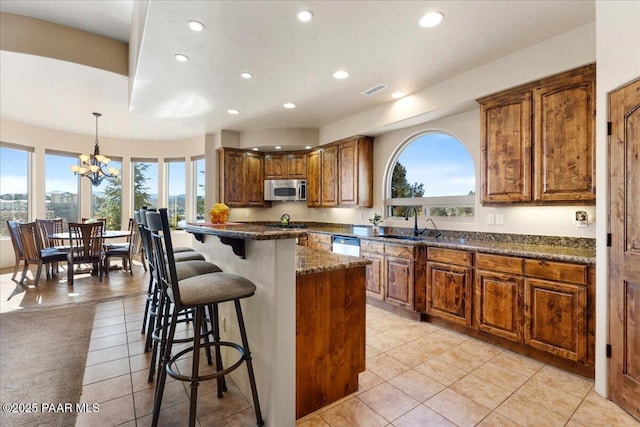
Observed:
{"x":416,"y":232}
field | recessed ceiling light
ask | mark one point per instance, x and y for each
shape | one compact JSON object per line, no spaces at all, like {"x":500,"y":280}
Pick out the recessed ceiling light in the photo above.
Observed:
{"x":181,"y":58}
{"x":277,"y":147}
{"x":340,"y":74}
{"x":305,"y":15}
{"x":255,"y":148}
{"x":233,"y":111}
{"x":289,"y":105}
{"x":308,"y":147}
{"x":246,"y":75}
{"x":396,"y":95}
{"x":196,"y":26}
{"x":431,"y":19}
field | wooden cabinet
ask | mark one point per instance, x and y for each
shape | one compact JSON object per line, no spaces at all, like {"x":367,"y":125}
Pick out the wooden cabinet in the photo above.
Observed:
{"x":285,"y":166}
{"x":538,"y":141}
{"x":374,"y":251}
{"x":241,"y":178}
{"x":499,"y":296}
{"x":341,"y":174}
{"x":399,"y":264}
{"x":555,"y":301}
{"x":449,"y":281}
{"x":319,"y":241}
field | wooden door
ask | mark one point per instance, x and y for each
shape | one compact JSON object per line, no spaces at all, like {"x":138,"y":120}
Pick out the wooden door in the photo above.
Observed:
{"x":254,"y":180}
{"x":400,"y":281}
{"x":624,"y":285}
{"x":375,"y":275}
{"x":234,"y":164}
{"x":449,"y":292}
{"x":505,"y":159}
{"x":348,"y":180}
{"x":498,"y":304}
{"x":329,"y":172}
{"x":564,"y":138}
{"x":313,"y":179}
{"x":297,"y":166}
{"x":275,"y":166}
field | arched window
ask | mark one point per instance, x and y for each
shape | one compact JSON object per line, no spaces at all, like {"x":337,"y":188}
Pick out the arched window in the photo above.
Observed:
{"x":435,"y":173}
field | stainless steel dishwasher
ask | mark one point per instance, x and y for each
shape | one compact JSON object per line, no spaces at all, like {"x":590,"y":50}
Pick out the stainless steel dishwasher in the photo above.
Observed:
{"x":345,"y":245}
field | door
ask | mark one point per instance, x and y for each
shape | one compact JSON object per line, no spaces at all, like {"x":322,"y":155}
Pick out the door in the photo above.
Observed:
{"x":254,"y":180}
{"x":400,"y":281}
{"x":624,"y":291}
{"x":498,"y":304}
{"x":329,"y":173}
{"x":449,"y":292}
{"x":313,"y":179}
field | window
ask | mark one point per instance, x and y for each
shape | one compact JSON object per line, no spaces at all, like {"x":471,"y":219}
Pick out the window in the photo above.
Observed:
{"x":176,"y":189}
{"x":14,"y":184}
{"x":435,"y":173}
{"x":61,"y":187}
{"x":106,"y":199}
{"x":145,"y":184}
{"x":199,"y":190}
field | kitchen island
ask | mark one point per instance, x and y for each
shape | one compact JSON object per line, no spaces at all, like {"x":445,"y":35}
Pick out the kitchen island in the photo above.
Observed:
{"x":305,"y":326}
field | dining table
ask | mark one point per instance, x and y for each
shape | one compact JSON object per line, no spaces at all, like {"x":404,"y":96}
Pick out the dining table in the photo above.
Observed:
{"x":106,"y":235}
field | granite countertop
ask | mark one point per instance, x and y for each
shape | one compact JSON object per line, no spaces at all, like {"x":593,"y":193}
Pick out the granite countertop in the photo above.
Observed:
{"x":238,"y":230}
{"x":310,"y":261}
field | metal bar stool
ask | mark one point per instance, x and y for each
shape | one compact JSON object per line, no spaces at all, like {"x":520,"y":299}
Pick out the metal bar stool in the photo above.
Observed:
{"x":198,"y":292}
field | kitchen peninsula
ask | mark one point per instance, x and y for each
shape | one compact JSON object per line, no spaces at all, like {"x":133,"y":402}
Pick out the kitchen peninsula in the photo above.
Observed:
{"x":306,"y":322}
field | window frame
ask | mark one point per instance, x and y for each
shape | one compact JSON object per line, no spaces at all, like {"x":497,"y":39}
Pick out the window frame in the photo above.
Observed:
{"x":194,"y":202}
{"x":29,"y":151}
{"x":72,"y":156}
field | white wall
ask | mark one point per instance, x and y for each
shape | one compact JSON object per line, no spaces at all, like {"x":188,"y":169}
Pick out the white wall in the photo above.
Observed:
{"x":618,"y":59}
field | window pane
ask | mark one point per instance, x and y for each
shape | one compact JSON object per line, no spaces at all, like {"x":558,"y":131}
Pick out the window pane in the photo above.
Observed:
{"x":14,"y":189}
{"x":106,"y":199}
{"x":145,"y":185}
{"x":200,"y":188}
{"x":176,"y":185}
{"x":61,"y":187}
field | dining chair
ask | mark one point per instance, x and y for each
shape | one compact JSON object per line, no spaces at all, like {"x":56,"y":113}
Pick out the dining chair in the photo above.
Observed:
{"x":33,"y":251}
{"x":127,"y":250}
{"x":47,"y":228}
{"x":86,"y":247}
{"x":14,"y":232}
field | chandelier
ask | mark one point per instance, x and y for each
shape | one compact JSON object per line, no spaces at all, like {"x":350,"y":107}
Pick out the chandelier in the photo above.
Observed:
{"x":95,"y":167}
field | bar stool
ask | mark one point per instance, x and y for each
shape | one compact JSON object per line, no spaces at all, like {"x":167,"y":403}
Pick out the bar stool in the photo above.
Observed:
{"x":198,"y":292}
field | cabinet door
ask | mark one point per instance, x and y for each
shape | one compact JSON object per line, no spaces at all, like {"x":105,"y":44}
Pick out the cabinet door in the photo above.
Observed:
{"x":400,"y":281}
{"x":297,"y":166}
{"x":565,"y":139}
{"x":348,"y":180}
{"x":313,"y":178}
{"x":254,"y":180}
{"x":498,"y":304}
{"x":555,"y":318}
{"x":234,"y":173}
{"x":275,"y":166}
{"x":449,"y":292}
{"x":506,"y":148}
{"x":375,"y":275}
{"x":329,"y":173}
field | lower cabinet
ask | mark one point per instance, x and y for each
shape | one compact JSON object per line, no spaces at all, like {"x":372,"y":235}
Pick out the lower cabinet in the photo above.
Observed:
{"x":374,"y":251}
{"x":449,"y":281}
{"x":399,"y":265}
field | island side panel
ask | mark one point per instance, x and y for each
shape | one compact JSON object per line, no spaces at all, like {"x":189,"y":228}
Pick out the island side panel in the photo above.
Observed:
{"x":330,"y":336}
{"x":269,"y":319}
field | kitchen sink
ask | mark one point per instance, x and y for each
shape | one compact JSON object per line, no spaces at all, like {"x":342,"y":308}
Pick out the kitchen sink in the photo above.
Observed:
{"x":399,"y":237}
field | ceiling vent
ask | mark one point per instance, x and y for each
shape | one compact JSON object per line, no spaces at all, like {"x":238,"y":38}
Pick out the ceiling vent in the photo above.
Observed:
{"x":374,"y":89}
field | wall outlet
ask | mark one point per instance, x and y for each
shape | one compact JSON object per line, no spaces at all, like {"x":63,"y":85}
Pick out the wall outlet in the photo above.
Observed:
{"x":247,"y":214}
{"x":582,"y":219}
{"x":491,"y":219}
{"x":499,"y":219}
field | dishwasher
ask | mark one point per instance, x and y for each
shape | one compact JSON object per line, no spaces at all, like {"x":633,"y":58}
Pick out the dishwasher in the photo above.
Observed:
{"x":345,"y":245}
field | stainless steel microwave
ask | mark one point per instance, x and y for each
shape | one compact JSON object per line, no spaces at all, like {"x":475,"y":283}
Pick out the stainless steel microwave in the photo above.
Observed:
{"x":285,"y":189}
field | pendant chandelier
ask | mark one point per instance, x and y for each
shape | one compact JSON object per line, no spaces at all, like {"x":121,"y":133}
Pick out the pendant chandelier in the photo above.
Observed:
{"x":94,"y":166}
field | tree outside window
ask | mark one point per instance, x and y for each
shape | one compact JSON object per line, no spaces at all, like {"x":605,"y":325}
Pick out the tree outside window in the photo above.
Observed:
{"x":106,"y":200}
{"x":145,"y":184}
{"x":199,"y":180}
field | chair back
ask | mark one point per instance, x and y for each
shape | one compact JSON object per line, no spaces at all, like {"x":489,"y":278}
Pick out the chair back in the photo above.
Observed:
{"x":30,"y":239}
{"x":86,"y":241}
{"x":135,"y":242}
{"x":48,"y":227}
{"x":162,"y":253}
{"x":14,"y":232}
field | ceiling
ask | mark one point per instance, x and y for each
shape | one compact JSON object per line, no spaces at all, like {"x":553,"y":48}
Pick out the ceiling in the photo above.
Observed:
{"x":376,"y":42}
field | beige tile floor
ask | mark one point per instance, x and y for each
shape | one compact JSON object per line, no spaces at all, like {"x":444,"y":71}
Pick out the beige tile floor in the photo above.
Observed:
{"x":417,"y":374}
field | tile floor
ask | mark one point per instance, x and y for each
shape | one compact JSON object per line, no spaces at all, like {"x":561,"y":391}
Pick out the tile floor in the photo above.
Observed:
{"x":417,"y":374}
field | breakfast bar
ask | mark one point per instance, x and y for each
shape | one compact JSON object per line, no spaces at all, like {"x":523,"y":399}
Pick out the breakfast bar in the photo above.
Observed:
{"x":306,"y":329}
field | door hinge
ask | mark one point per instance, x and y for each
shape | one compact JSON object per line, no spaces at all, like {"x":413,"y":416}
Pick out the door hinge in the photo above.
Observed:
{"x":608,"y":351}
{"x":608,"y":240}
{"x":609,"y":128}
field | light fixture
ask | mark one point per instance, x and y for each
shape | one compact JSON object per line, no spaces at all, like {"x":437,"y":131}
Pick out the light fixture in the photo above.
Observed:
{"x":308,"y":147}
{"x":289,"y":105}
{"x":181,"y":58}
{"x":431,"y":19}
{"x":196,"y":26}
{"x":246,"y":75}
{"x":340,"y":74}
{"x":277,"y":147}
{"x":305,"y":16}
{"x":95,"y":167}
{"x":255,"y":148}
{"x":397,"y":95}
{"x":233,"y":111}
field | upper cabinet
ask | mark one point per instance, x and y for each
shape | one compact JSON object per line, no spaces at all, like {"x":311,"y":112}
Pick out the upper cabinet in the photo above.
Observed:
{"x":341,"y":174}
{"x":538,"y":141}
{"x":285,"y":166}
{"x":241,"y":178}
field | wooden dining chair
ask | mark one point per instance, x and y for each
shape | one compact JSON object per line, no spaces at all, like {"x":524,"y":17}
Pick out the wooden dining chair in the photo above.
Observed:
{"x":86,"y":247}
{"x":127,"y":250}
{"x":14,"y":232}
{"x":34,"y":253}
{"x":47,"y":228}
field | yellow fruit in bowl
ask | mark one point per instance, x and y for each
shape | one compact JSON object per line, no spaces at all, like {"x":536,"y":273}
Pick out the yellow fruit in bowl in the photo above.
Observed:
{"x":219,"y":213}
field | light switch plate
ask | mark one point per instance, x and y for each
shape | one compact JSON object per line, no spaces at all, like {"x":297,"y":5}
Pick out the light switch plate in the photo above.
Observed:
{"x":491,"y":219}
{"x":499,"y":219}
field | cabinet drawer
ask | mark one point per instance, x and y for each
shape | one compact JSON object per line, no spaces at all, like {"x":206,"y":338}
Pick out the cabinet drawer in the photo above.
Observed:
{"x":319,"y":238}
{"x":505,"y":264}
{"x":400,"y":251}
{"x":371,"y":247}
{"x":451,"y":256}
{"x":563,"y":272}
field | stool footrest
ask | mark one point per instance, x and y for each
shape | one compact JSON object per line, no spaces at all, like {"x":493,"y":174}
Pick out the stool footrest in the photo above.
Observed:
{"x":172,"y":372}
